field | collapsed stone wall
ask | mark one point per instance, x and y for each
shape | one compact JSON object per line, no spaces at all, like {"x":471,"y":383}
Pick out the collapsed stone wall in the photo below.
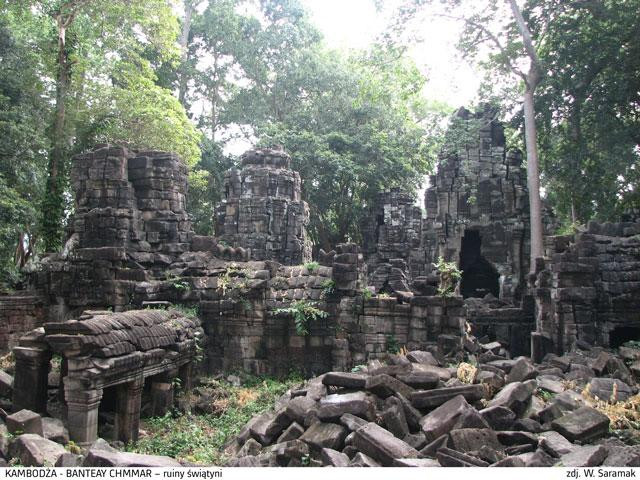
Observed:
{"x":476,"y":215}
{"x":20,"y":313}
{"x":588,"y":287}
{"x":129,"y":225}
{"x":262,"y":209}
{"x":132,"y":246}
{"x":247,"y":329}
{"x":392,"y":242}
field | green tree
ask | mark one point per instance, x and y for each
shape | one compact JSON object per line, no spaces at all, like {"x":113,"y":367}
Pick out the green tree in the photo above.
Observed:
{"x":23,"y":133}
{"x":354,"y":132}
{"x":103,"y":83}
{"x":589,"y":108}
{"x":230,"y":79}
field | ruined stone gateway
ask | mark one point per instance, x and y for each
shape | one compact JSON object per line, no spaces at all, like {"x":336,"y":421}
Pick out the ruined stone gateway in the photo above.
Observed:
{"x":101,"y":304}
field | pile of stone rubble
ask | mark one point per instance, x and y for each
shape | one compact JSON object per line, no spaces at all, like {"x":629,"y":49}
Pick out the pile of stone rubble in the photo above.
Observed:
{"x":30,"y":440}
{"x":415,"y":412}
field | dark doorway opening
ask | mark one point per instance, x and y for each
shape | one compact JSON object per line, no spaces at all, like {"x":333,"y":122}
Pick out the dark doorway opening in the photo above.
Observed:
{"x":107,"y":413}
{"x":620,"y":335}
{"x":478,"y":275}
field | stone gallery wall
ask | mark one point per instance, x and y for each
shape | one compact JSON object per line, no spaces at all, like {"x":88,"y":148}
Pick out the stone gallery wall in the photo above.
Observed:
{"x":588,"y":287}
{"x":262,"y":209}
{"x":111,"y":356}
{"x":246,"y":330}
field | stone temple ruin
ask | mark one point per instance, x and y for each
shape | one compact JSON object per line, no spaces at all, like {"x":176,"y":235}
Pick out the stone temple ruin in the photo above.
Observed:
{"x":131,"y":250}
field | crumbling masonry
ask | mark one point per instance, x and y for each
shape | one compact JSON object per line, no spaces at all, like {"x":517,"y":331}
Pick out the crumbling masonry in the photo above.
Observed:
{"x":131,"y":246}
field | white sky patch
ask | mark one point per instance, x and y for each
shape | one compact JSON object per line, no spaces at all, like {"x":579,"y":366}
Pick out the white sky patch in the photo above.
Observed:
{"x":355,"y":24}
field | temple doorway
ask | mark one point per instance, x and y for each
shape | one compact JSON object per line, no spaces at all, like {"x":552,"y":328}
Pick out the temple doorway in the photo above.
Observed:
{"x":478,"y":275}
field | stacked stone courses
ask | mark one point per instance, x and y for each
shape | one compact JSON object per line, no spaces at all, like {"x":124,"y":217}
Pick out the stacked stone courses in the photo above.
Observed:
{"x":263,"y":211}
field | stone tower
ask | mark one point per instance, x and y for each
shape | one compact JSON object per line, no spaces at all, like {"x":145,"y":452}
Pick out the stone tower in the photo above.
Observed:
{"x":478,"y":213}
{"x":263,"y":210}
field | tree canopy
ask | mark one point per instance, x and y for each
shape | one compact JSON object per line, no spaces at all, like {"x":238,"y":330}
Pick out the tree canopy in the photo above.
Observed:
{"x":203,"y":78}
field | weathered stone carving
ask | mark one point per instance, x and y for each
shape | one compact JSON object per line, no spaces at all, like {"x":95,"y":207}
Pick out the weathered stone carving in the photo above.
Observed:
{"x":476,"y":215}
{"x":263,"y":211}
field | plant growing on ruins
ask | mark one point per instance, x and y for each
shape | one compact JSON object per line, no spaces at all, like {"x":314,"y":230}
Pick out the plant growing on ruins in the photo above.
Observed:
{"x":450,"y":276}
{"x":189,"y":311}
{"x":178,"y":283}
{"x":392,"y":344}
{"x":312,"y":266}
{"x":73,"y":447}
{"x":367,"y":294}
{"x":328,"y":287}
{"x":303,"y":312}
{"x":233,"y":282}
{"x":632,"y":344}
{"x":544,"y":395}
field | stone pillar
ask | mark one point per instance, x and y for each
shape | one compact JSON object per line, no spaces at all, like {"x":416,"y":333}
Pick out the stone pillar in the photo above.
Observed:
{"x":128,"y":410}
{"x":82,"y":411}
{"x":64,"y":371}
{"x":161,"y":394}
{"x":31,"y":379}
{"x":186,"y":376}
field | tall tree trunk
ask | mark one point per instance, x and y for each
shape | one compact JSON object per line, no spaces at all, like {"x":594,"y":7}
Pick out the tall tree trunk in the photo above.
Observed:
{"x":53,"y":207}
{"x":531,"y":80}
{"x":215,"y":98}
{"x":183,"y":41}
{"x":533,"y":177}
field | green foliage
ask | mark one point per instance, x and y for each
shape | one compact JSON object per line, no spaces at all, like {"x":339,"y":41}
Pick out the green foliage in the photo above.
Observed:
{"x":201,"y":438}
{"x":544,"y":395}
{"x":567,"y":228}
{"x":392,"y":344}
{"x":355,"y":133}
{"x":311,"y":266}
{"x":367,"y":293}
{"x":450,"y":275}
{"x":303,"y":312}
{"x":60,"y":99}
{"x":190,"y":311}
{"x":328,"y":288}
{"x":233,"y":283}
{"x":143,"y":115}
{"x":179,"y":283}
{"x":23,"y":131}
{"x":206,"y":185}
{"x":16,"y":216}
{"x":588,"y":106}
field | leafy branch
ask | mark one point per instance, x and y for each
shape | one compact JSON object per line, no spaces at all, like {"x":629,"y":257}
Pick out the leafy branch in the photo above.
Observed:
{"x":450,"y":275}
{"x":303,"y":312}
